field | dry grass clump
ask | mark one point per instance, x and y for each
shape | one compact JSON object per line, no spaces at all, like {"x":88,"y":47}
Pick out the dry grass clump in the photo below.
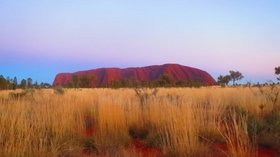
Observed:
{"x":103,"y":122}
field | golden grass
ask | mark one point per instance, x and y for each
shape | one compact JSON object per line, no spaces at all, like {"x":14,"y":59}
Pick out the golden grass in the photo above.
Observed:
{"x":185,"y":121}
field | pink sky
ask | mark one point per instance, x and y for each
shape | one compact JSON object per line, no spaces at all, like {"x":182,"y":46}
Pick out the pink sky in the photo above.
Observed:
{"x":68,"y":36}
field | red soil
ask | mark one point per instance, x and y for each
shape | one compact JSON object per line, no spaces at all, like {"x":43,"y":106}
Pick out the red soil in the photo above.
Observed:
{"x":141,"y":148}
{"x":221,"y":149}
{"x":90,"y":132}
{"x":137,"y":145}
{"x":106,"y":75}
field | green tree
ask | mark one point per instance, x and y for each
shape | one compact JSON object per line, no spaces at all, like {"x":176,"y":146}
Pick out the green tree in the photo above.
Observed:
{"x":87,"y":81}
{"x":3,"y":83}
{"x":182,"y":83}
{"x":224,"y":80}
{"x":15,"y":83}
{"x":75,"y":80}
{"x":29,"y":82}
{"x":195,"y":83}
{"x":235,"y":76}
{"x":8,"y":82}
{"x":115,"y":84}
{"x":42,"y":85}
{"x":35,"y":85}
{"x":277,"y":72}
{"x":69,"y":84}
{"x":165,"y":80}
{"x":127,"y":82}
{"x":47,"y":85}
{"x":23,"y":84}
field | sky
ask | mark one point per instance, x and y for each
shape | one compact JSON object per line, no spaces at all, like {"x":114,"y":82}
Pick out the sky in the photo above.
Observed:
{"x":39,"y":39}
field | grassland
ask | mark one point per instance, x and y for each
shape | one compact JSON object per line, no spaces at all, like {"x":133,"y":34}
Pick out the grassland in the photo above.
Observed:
{"x":103,"y":122}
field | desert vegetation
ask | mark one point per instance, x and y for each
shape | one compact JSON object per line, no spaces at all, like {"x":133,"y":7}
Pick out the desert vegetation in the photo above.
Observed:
{"x":164,"y":80}
{"x":206,"y":121}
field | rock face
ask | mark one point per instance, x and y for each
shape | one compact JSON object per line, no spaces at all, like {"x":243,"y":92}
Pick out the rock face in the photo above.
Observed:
{"x":106,"y":75}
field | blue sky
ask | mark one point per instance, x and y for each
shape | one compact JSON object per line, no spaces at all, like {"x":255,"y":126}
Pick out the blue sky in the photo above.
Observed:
{"x":39,"y":39}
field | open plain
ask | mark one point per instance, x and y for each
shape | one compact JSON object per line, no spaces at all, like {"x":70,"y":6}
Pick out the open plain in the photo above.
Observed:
{"x":207,"y":121}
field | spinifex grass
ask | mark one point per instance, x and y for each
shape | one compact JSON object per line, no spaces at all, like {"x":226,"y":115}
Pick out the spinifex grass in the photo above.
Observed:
{"x":180,"y":121}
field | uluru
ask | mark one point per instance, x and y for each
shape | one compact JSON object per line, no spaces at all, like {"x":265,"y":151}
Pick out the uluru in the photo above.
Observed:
{"x":105,"y":76}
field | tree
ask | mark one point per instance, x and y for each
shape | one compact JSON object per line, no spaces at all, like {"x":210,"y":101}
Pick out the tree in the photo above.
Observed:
{"x":277,"y":72}
{"x":115,"y":84}
{"x":15,"y":83}
{"x":23,"y":84}
{"x":42,"y":85}
{"x":87,"y":81}
{"x":235,"y":76}
{"x":224,"y":80}
{"x":47,"y":85}
{"x":29,"y":82}
{"x":75,"y":79}
{"x":3,"y":83}
{"x":8,"y":80}
{"x":69,"y":84}
{"x":35,"y":85}
{"x":165,"y":80}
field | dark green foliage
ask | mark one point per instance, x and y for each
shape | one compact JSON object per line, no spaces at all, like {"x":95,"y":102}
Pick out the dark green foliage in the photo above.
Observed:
{"x":87,"y":81}
{"x":75,"y":79}
{"x":23,"y":84}
{"x":59,"y":90}
{"x":138,"y":131}
{"x":45,"y":85}
{"x":3,"y":83}
{"x":277,"y":72}
{"x":154,"y":140}
{"x":69,"y":85}
{"x":6,"y":84}
{"x":8,"y":80}
{"x":267,"y":126}
{"x":125,"y":83}
{"x":29,"y":83}
{"x":235,"y":76}
{"x":90,"y":146}
{"x":195,"y":83}
{"x":223,"y":80}
{"x":233,"y":109}
{"x":27,"y":93}
{"x":17,"y":95}
{"x":14,"y":83}
{"x":165,"y":80}
{"x":35,"y":85}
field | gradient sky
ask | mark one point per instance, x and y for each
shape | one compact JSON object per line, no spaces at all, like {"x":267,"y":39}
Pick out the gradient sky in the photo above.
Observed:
{"x":39,"y":39}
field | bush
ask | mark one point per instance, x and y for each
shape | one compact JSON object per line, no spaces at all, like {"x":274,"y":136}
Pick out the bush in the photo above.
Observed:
{"x":154,"y":140}
{"x":59,"y":90}
{"x":27,"y":93}
{"x":138,"y":131}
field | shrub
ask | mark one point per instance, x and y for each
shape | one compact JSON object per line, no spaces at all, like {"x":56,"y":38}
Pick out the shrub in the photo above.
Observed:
{"x":27,"y":93}
{"x":144,"y":95}
{"x":138,"y":131}
{"x":59,"y":90}
{"x":154,"y":140}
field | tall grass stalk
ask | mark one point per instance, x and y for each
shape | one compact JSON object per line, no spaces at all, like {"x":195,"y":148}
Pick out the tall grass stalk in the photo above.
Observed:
{"x":183,"y":121}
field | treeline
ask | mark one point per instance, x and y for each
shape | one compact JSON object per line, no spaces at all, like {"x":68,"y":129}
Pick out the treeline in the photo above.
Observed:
{"x":12,"y":83}
{"x":164,"y":80}
{"x":237,"y":76}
